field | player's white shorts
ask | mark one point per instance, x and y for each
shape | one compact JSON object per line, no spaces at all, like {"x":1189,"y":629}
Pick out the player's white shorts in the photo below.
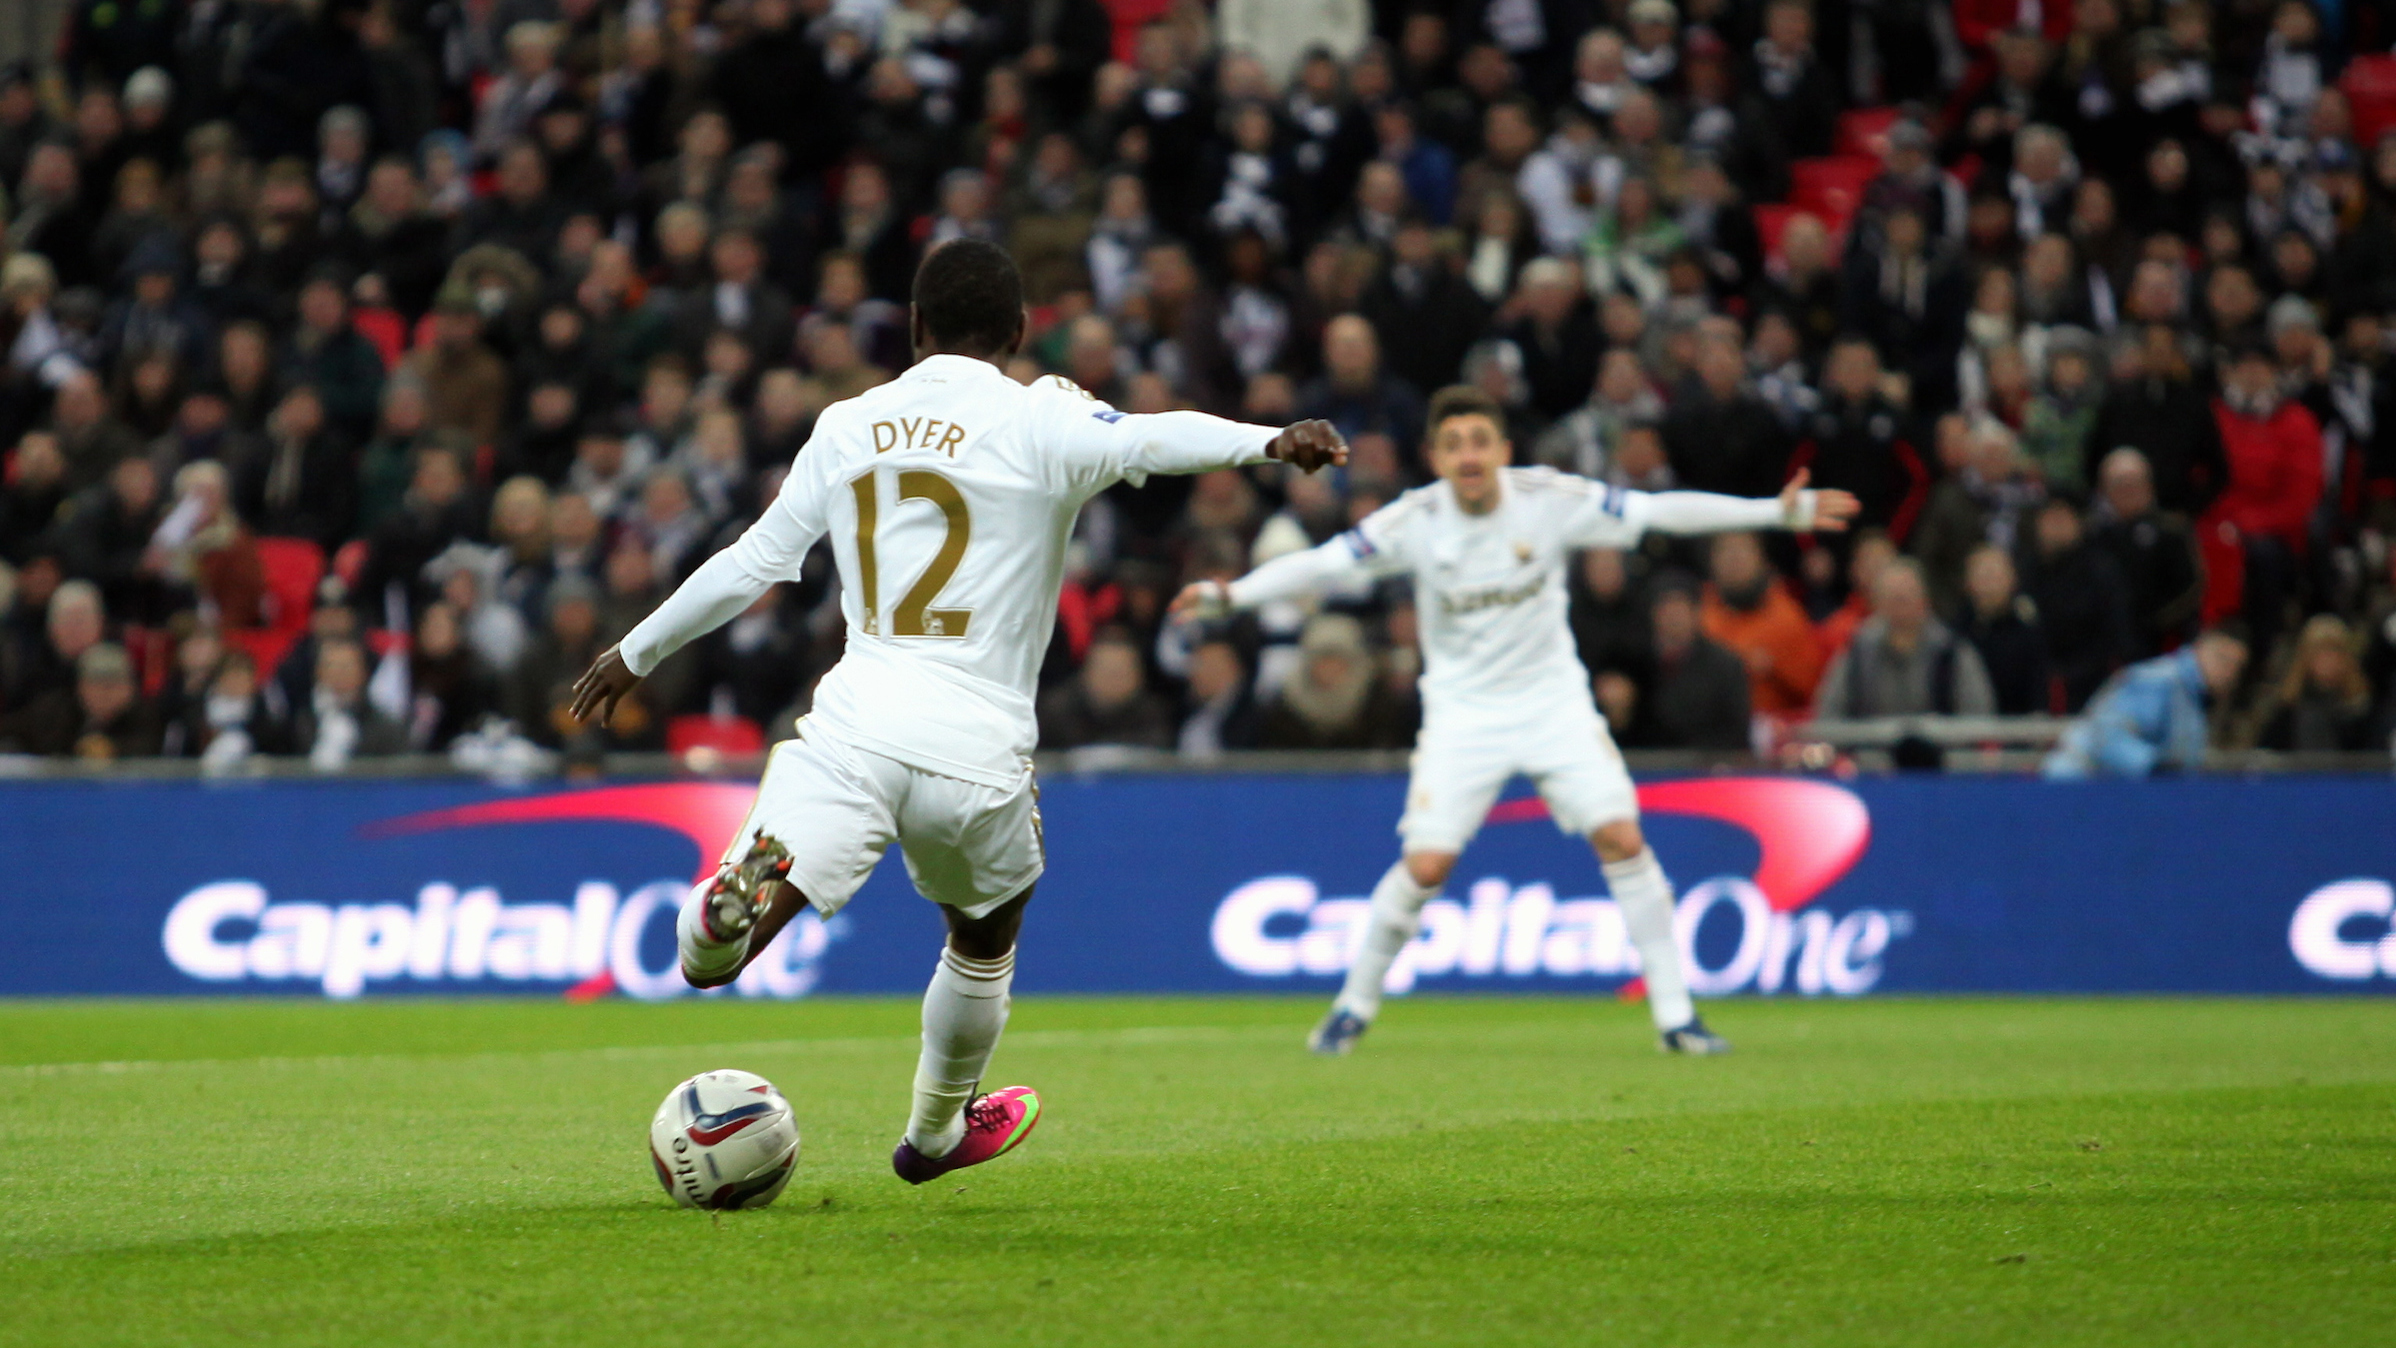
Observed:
{"x":1461,"y":763}
{"x":838,"y":807}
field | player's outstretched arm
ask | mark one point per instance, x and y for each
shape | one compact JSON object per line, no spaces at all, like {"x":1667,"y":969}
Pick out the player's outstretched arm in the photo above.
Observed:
{"x":1309,"y":446}
{"x":1375,"y":547}
{"x":724,"y":585}
{"x":1799,"y":507}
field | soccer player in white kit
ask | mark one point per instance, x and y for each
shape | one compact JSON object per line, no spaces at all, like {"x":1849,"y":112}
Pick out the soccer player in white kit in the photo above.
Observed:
{"x":949,"y":495}
{"x":1503,"y":688}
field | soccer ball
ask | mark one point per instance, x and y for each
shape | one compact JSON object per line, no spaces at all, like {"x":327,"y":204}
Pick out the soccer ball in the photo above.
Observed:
{"x":724,"y":1140}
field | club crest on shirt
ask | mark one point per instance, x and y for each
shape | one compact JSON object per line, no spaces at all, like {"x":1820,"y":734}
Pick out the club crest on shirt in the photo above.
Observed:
{"x":1522,"y":552}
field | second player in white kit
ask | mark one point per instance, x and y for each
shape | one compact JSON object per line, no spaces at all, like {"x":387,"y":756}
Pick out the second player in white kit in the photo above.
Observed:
{"x":1503,"y":689}
{"x":949,"y":495}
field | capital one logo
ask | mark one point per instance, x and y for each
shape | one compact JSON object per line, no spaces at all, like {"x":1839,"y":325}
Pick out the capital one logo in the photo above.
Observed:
{"x":1809,"y":834}
{"x":2344,"y":931}
{"x":234,"y":930}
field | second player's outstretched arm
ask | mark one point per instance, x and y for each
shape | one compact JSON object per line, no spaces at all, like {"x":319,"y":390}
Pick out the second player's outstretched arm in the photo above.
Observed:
{"x":1288,"y":576}
{"x":1798,"y":507}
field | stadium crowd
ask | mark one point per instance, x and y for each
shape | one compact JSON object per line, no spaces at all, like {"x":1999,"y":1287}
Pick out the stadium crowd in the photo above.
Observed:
{"x":371,"y":364}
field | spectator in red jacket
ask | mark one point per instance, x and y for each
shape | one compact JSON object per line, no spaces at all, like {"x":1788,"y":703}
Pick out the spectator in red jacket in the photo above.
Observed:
{"x":2274,"y":449}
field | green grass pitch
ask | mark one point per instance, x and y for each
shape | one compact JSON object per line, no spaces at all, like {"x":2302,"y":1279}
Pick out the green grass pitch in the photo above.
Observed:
{"x":1483,"y":1171}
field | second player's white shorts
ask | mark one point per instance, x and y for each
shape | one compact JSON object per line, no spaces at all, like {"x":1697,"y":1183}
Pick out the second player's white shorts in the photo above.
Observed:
{"x":838,"y":807}
{"x":1461,"y":763}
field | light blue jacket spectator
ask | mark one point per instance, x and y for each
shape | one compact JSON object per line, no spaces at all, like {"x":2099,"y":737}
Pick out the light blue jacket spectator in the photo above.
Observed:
{"x":2149,"y":716}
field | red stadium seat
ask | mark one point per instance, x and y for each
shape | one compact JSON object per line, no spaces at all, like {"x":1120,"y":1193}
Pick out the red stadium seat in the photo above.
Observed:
{"x":724,"y":734}
{"x":292,"y":566}
{"x":1771,"y":219}
{"x":2370,"y":85}
{"x":1865,"y":131}
{"x":266,"y":646}
{"x":1833,"y":187}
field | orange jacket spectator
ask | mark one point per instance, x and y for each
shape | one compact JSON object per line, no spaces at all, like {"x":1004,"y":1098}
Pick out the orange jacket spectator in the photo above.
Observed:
{"x":1784,"y":661}
{"x":1750,"y":610}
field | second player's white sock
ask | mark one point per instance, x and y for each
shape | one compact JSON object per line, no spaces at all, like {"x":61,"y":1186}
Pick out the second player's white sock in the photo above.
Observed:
{"x":1645,"y":898}
{"x":964,"y":1010}
{"x":701,"y":956}
{"x":1397,"y":911}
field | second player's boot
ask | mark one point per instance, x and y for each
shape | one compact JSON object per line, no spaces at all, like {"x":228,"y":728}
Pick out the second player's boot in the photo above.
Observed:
{"x":713,"y":932}
{"x":1338,"y":1033}
{"x":738,"y":897}
{"x":995,"y":1124}
{"x":1692,"y":1038}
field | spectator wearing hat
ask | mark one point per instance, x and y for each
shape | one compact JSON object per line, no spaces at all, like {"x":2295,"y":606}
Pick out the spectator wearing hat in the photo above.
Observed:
{"x":104,"y":720}
{"x":1335,"y":697}
{"x":155,"y":315}
{"x":465,"y":384}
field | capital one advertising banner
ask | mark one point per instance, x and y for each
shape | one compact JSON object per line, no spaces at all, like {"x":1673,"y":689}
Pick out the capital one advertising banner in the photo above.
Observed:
{"x":1218,"y":883}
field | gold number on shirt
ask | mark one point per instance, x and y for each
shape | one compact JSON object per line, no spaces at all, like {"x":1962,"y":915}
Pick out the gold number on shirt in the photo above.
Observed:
{"x":914,"y":616}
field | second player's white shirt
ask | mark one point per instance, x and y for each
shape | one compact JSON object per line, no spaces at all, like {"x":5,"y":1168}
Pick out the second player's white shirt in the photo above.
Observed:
{"x":949,"y":495}
{"x":1489,"y":589}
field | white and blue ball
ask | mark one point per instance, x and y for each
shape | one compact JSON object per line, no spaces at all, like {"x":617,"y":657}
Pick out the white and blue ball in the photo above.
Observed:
{"x":724,"y":1139}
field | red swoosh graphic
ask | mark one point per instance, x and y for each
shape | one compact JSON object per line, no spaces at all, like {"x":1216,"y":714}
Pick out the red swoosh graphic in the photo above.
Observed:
{"x":1811,"y":833}
{"x":707,"y":813}
{"x":708,"y":1137}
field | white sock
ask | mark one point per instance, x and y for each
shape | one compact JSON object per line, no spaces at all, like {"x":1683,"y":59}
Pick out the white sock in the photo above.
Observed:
{"x":1397,"y":911}
{"x":703,"y":957}
{"x":1645,"y":897}
{"x":963,"y":1011}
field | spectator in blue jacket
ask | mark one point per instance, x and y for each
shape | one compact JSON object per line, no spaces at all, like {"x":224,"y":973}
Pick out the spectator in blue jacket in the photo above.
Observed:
{"x":2153,"y":716}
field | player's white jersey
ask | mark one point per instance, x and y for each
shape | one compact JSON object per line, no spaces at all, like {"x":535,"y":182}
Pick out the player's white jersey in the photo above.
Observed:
{"x":949,"y":495}
{"x":1489,"y":589}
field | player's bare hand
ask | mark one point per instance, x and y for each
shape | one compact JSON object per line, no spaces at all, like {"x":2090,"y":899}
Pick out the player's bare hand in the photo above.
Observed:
{"x":1199,"y":599}
{"x":1832,"y":508}
{"x":1310,"y":445}
{"x":602,"y":686}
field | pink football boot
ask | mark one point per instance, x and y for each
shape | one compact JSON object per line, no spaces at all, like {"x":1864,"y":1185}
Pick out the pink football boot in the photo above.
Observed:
{"x":994,"y":1123}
